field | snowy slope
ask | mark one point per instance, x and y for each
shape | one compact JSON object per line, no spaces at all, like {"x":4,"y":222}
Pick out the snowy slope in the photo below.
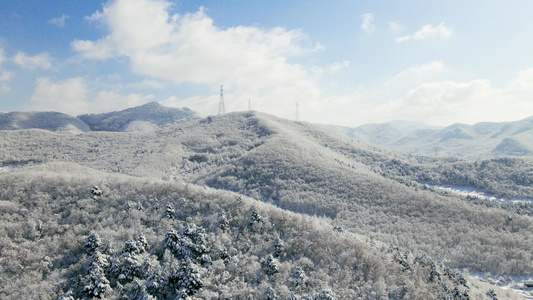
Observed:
{"x":151,"y":115}
{"x":481,"y":140}
{"x":52,"y":121}
{"x":302,"y":168}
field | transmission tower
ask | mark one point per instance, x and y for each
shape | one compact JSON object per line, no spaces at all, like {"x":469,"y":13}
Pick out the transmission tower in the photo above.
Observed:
{"x":249,"y":105}
{"x":221,"y":107}
{"x":297,"y":119}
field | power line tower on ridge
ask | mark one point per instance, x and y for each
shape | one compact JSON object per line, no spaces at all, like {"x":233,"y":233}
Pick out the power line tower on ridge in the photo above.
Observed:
{"x":221,"y":107}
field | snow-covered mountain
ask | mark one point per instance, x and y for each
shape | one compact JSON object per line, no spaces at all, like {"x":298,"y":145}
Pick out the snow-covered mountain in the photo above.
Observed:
{"x":140,"y":118}
{"x":52,"y":121}
{"x":306,"y":169}
{"x":146,"y":117}
{"x":313,"y":176}
{"x":478,"y":141}
{"x":381,"y":134}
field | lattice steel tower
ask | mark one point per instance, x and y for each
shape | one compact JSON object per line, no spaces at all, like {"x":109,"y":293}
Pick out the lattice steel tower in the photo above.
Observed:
{"x":221,"y":107}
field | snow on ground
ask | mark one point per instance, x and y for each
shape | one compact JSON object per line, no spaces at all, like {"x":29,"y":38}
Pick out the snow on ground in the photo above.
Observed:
{"x":513,"y":283}
{"x":6,"y":168}
{"x":472,"y":192}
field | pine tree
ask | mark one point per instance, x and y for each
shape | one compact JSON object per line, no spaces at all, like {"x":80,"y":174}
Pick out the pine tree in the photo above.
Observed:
{"x":278,"y":247}
{"x":186,"y":278}
{"x":138,"y":292}
{"x":191,"y":244}
{"x":95,"y":282}
{"x":170,"y":212}
{"x":327,"y":294}
{"x":269,"y":266}
{"x":270,"y":294}
{"x":298,"y":277}
{"x":92,"y":243}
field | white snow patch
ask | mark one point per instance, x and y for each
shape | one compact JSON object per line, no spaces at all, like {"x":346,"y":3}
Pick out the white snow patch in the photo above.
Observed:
{"x":7,"y":168}
{"x":514,"y":283}
{"x":472,"y":192}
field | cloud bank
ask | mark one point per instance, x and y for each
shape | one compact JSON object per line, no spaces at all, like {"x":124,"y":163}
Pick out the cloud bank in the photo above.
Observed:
{"x":72,"y":96}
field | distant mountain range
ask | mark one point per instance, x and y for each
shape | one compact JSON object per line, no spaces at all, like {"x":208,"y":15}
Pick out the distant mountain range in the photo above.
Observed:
{"x":478,"y":141}
{"x":52,"y":121}
{"x":142,"y":118}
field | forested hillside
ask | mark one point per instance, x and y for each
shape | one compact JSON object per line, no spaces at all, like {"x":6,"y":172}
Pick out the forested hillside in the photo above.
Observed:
{"x":144,"y":238}
{"x":357,"y":188}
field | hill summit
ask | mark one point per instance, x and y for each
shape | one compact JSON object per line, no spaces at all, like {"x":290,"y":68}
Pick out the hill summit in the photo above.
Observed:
{"x":137,"y":118}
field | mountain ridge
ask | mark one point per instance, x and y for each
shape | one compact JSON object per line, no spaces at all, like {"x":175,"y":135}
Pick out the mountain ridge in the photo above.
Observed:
{"x":305,"y":169}
{"x":482,"y":140}
{"x":145,"y":117}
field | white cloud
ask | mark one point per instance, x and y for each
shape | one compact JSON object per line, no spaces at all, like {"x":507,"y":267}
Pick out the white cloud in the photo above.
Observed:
{"x":367,"y":25}
{"x":428,"y":32}
{"x":148,"y":84}
{"x":111,"y":101}
{"x":33,"y":62}
{"x":251,"y":62}
{"x":332,"y":68}
{"x":68,"y":96}
{"x":72,"y":96}
{"x":523,"y":82}
{"x":448,"y":102}
{"x":420,"y":71}
{"x":2,"y":56}
{"x":60,"y":22}
{"x":4,"y":75}
{"x":190,"y":48}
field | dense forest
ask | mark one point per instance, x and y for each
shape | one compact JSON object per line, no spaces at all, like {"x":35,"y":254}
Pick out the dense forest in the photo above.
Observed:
{"x":250,"y":205}
{"x":70,"y":231}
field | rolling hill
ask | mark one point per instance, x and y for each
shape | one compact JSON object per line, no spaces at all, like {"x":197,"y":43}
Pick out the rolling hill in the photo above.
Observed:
{"x":302,"y":168}
{"x":140,"y":118}
{"x":143,"y":238}
{"x":52,"y":121}
{"x":479,"y":141}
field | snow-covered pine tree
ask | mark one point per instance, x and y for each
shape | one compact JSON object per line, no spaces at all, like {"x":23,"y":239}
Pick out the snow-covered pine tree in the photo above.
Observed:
{"x":298,"y":277}
{"x":191,"y":244}
{"x":92,"y":243}
{"x":278,"y":247}
{"x":269,"y":266}
{"x":170,"y":212}
{"x":270,"y":294}
{"x":186,"y":278}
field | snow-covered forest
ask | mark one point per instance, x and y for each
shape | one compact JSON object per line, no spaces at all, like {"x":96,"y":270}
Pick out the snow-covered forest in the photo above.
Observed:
{"x":247,"y":205}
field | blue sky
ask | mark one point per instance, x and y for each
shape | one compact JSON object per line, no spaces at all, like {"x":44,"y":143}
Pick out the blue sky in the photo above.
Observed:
{"x":345,"y":62}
